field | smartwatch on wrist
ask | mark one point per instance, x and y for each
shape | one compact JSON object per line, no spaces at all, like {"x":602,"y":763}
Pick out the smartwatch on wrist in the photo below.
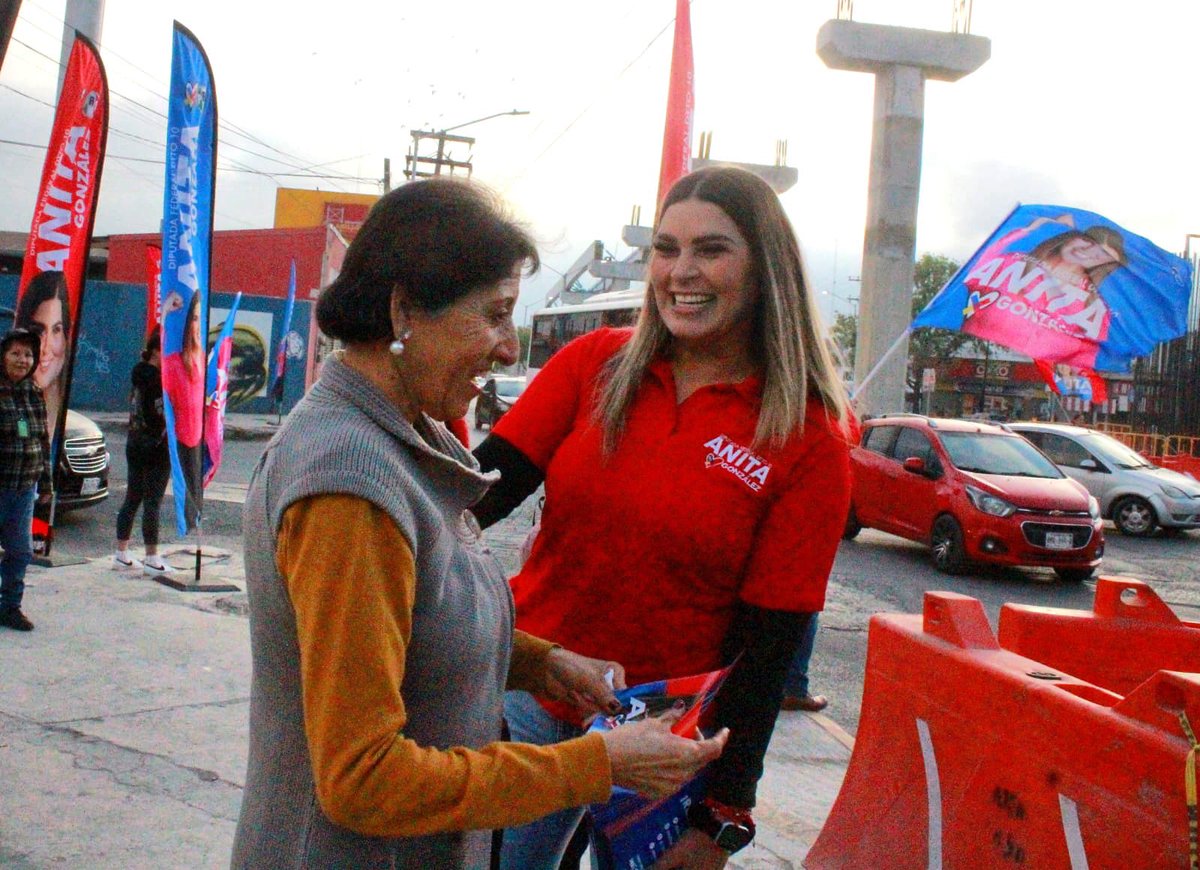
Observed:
{"x":731,"y":828}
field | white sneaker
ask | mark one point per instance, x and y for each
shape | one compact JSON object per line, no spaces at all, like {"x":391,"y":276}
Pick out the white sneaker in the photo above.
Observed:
{"x":154,"y":565}
{"x":123,"y":562}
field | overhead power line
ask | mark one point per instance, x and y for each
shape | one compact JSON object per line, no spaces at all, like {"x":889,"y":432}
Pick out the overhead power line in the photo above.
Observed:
{"x":234,"y":168}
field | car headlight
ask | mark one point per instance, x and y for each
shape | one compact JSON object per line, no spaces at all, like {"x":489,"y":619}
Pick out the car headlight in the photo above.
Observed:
{"x":1093,"y":507}
{"x":1172,"y":491}
{"x":990,"y":504}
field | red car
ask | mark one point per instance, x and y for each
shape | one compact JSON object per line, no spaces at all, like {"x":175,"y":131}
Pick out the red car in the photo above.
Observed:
{"x":973,"y":492}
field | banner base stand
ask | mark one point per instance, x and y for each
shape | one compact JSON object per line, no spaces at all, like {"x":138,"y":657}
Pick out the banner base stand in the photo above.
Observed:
{"x":58,"y":560}
{"x":189,"y":586}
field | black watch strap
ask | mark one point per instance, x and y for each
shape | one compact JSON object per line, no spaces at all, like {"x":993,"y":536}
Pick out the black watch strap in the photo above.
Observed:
{"x":731,"y":830}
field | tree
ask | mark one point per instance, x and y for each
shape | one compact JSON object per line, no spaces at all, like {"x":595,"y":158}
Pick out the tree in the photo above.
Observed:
{"x":845,"y":333}
{"x":932,"y":343}
{"x":523,"y":335}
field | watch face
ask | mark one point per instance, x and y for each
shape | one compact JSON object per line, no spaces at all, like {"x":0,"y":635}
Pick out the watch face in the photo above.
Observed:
{"x":732,"y":836}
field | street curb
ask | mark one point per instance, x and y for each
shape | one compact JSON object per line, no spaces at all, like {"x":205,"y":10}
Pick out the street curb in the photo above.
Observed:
{"x":232,"y":432}
{"x":833,"y":729}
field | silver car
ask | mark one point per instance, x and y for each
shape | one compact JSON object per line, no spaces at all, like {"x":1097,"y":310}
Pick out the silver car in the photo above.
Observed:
{"x":1135,"y":494}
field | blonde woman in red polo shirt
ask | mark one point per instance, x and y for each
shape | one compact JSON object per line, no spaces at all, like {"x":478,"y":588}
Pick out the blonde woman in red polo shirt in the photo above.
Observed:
{"x":697,"y":481}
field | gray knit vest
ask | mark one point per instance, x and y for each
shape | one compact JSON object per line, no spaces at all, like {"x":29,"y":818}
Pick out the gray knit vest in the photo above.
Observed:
{"x":346,"y":437}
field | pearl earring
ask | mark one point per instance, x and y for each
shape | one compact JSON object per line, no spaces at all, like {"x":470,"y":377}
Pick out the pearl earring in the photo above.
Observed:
{"x":396,"y":348}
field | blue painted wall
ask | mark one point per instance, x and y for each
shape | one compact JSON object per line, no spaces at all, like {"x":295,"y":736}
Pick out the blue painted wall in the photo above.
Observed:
{"x":114,"y":318}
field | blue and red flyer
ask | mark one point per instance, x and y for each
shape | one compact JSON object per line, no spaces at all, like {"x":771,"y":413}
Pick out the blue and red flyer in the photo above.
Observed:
{"x":631,"y":832}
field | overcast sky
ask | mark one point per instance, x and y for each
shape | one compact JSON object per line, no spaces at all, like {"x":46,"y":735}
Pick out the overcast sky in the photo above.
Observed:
{"x":1085,"y":103}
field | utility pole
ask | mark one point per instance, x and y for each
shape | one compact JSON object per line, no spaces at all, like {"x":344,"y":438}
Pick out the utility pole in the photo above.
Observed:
{"x":387,"y":174}
{"x":430,"y":152}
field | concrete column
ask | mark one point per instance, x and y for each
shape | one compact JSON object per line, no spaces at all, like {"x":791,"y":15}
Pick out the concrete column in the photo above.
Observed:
{"x":901,"y":59}
{"x":86,"y":16}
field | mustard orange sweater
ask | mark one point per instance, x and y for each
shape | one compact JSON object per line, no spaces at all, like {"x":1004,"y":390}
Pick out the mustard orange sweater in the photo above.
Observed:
{"x":353,"y":637}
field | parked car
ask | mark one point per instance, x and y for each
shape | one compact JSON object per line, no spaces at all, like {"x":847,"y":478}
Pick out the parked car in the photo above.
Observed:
{"x":499,"y":393}
{"x":973,"y":492}
{"x":83,"y":460}
{"x":1137,"y":495}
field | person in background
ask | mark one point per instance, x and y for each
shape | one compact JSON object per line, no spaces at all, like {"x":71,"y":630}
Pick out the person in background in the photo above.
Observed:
{"x":147,"y":458}
{"x":697,"y":482}
{"x":381,"y":628}
{"x":25,"y":475}
{"x":45,"y":308}
{"x":795,"y":687}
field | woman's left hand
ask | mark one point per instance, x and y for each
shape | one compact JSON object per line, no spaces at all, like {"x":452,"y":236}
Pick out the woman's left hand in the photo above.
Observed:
{"x":694,"y":851}
{"x":582,"y":682}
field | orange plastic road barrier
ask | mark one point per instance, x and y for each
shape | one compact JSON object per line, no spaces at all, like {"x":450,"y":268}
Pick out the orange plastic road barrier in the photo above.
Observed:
{"x":1129,"y":635}
{"x":971,"y":756}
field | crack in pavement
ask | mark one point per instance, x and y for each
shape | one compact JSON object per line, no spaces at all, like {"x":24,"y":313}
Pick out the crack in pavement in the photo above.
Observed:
{"x":199,"y":705}
{"x":133,"y":770}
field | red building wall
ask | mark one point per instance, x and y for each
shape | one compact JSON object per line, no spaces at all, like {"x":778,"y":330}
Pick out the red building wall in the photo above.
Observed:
{"x":255,"y":262}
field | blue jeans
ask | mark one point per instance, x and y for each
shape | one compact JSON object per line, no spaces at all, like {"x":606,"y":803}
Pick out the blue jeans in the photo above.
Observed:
{"x":796,"y":684}
{"x":16,"y":537}
{"x":538,"y":845}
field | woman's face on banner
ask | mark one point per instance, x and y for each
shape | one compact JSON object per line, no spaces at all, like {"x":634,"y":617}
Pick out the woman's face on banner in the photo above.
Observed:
{"x":49,"y":317}
{"x":1086,"y":253}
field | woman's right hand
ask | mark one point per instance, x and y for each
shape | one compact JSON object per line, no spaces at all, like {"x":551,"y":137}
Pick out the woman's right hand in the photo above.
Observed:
{"x":647,"y":758}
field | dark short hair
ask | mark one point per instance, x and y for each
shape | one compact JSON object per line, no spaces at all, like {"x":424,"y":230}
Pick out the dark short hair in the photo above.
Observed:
{"x":27,"y":337}
{"x":42,"y":288}
{"x":153,"y":343}
{"x":431,"y":241}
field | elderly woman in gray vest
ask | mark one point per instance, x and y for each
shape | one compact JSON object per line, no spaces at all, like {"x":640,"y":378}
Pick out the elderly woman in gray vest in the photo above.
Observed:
{"x":381,"y":628}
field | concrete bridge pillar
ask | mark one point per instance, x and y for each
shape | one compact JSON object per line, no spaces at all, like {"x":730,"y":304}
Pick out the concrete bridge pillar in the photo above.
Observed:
{"x":901,"y":59}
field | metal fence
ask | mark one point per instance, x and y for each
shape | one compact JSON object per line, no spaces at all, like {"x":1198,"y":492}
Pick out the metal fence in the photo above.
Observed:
{"x":1167,"y":383}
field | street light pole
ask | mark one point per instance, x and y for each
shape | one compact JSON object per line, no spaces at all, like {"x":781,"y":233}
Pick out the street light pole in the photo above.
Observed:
{"x":485,"y":118}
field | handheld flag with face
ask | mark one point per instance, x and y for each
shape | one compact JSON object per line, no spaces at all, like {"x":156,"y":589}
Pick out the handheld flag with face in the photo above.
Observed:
{"x":217,"y":394}
{"x":1065,"y":381}
{"x":281,"y":349}
{"x":1067,"y":286}
{"x":186,"y":247}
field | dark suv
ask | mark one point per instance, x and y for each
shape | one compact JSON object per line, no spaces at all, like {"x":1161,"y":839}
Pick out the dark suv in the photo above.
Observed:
{"x":498,"y":395}
{"x":82,"y":474}
{"x":973,"y":492}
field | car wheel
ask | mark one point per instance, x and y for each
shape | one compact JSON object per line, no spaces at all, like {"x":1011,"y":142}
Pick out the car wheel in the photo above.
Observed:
{"x":853,"y":526}
{"x":946,"y":541}
{"x":1134,"y":517}
{"x":1074,"y":575}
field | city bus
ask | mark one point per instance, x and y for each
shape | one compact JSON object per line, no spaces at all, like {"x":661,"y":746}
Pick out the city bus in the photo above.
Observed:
{"x":554,"y":327}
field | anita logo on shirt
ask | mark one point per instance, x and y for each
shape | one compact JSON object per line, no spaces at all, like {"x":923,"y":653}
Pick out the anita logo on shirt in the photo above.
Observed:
{"x":739,"y":461}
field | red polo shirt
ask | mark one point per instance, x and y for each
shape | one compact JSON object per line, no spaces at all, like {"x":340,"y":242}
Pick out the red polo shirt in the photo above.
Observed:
{"x":643,"y":555}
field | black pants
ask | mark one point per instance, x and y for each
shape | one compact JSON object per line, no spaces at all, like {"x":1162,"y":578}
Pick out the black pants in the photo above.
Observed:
{"x":148,"y":478}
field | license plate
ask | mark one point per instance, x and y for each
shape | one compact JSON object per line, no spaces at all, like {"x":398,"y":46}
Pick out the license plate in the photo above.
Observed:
{"x":1059,"y":540}
{"x":90,"y":485}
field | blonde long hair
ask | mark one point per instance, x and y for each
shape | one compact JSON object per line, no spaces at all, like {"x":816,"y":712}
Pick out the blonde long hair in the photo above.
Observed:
{"x":789,"y":340}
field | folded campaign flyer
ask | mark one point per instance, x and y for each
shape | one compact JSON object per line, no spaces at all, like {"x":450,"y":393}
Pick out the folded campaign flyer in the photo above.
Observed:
{"x":630,"y":832}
